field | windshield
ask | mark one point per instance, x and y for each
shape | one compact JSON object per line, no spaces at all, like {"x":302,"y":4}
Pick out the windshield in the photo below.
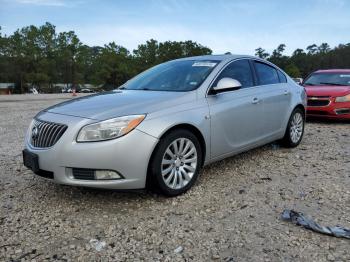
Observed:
{"x":336,"y":79}
{"x":177,"y":76}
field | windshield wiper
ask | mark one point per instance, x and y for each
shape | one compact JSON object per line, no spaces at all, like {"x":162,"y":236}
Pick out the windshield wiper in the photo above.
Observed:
{"x":308,"y":84}
{"x":331,"y":84}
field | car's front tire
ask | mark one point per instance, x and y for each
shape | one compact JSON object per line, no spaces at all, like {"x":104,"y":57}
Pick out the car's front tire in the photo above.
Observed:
{"x":295,"y":129}
{"x":176,"y":162}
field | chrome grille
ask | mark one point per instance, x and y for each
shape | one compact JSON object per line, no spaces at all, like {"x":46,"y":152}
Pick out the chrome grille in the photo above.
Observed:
{"x":46,"y":134}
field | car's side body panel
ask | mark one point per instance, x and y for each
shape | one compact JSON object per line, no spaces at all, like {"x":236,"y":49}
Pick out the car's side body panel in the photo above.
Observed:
{"x":236,"y":122}
{"x":195,"y":113}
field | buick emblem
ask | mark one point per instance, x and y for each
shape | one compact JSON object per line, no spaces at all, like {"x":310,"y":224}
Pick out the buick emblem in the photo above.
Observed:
{"x":35,"y":132}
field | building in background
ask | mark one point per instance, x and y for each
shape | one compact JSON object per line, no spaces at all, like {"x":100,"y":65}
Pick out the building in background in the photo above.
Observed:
{"x":6,"y":88}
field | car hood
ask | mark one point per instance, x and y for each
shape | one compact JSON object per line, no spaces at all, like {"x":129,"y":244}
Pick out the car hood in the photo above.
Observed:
{"x":327,"y":90}
{"x":120,"y":103}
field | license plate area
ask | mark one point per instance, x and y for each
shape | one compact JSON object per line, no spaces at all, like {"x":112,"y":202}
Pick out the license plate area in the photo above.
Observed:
{"x":31,"y":160}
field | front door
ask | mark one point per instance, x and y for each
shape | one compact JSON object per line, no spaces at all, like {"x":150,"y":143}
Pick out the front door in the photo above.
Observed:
{"x":236,"y":116}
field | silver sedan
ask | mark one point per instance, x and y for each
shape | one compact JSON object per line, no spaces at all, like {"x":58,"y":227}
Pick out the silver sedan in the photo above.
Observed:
{"x":159,"y":128}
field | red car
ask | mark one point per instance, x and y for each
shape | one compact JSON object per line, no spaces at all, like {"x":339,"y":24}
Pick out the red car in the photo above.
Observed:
{"x":328,"y":93}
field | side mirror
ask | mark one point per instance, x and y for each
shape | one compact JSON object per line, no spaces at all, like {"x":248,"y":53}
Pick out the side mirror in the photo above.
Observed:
{"x":226,"y":84}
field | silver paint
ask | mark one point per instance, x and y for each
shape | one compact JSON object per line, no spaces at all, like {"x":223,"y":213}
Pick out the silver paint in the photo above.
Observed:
{"x":229,"y":122}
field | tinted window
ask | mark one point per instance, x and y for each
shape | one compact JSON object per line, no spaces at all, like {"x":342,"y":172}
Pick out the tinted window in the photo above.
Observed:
{"x":267,"y":74}
{"x":239,"y":70}
{"x":282,"y":77}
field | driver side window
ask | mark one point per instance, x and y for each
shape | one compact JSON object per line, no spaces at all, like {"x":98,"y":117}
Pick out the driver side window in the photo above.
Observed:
{"x":239,"y":70}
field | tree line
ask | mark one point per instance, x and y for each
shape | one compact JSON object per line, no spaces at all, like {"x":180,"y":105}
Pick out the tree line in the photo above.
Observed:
{"x":303,"y":62}
{"x":42,"y":57}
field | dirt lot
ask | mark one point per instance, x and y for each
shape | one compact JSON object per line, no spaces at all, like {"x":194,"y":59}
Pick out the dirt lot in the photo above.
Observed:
{"x":232,"y":214}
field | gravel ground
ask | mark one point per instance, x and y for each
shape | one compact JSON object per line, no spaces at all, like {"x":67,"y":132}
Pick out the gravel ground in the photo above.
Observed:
{"x":231,"y":214}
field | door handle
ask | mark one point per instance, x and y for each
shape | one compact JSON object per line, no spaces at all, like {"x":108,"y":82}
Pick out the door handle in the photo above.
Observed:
{"x":286,"y":92}
{"x":255,"y":100}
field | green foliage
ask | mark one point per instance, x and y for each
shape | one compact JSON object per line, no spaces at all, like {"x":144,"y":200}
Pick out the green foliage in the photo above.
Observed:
{"x":292,"y":70}
{"x":259,"y":52}
{"x":40,"y":57}
{"x":301,"y":63}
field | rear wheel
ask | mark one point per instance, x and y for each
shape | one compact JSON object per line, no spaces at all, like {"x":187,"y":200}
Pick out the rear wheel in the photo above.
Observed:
{"x":175,"y":163}
{"x":295,"y":129}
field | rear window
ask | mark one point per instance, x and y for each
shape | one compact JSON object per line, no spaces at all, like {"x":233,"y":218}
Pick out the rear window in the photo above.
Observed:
{"x":267,"y":75}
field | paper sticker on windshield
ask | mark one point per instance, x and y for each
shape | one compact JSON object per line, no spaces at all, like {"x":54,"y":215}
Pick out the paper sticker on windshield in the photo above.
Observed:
{"x":207,"y":64}
{"x":344,"y":75}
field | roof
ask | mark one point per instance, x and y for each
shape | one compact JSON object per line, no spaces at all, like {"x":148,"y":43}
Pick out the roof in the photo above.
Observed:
{"x":7,"y":85}
{"x":216,"y":57}
{"x":333,"y":71}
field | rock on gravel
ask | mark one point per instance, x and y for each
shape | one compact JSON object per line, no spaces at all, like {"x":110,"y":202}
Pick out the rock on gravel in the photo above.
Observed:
{"x":231,"y":214}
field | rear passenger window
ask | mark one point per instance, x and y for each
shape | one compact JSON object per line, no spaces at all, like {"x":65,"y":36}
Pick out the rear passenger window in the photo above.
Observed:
{"x":267,"y":75}
{"x":282,"y":77}
{"x":239,"y":70}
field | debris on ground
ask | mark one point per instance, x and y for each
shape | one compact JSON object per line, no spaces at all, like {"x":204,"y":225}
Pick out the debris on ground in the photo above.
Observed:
{"x":97,"y":244}
{"x":178,"y":250}
{"x":299,"y":219}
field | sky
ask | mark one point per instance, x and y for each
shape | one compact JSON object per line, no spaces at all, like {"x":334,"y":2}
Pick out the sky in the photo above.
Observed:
{"x":236,"y":26}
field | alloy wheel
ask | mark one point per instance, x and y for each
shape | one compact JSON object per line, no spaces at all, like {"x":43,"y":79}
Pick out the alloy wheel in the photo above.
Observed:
{"x":296,"y":127}
{"x":179,"y":163}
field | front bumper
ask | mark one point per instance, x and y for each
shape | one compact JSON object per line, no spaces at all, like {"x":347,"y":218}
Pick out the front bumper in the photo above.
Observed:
{"x":129,"y":155}
{"x":335,"y":110}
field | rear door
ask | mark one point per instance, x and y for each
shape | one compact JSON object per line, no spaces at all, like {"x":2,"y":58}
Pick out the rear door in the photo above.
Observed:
{"x":236,"y":115}
{"x":276,"y":96}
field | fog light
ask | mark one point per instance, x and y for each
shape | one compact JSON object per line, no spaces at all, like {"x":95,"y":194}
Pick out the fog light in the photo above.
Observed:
{"x":106,"y":174}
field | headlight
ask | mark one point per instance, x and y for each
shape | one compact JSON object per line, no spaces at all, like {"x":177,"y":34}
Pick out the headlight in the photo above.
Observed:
{"x":343,"y":98}
{"x":109,"y":129}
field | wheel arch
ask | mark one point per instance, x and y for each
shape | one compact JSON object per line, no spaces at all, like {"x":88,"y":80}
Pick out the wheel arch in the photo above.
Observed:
{"x":302,"y":107}
{"x":193,"y":129}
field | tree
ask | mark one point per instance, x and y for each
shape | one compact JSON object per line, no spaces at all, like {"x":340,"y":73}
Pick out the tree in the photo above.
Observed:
{"x":324,"y":48}
{"x":298,"y":52}
{"x":278,"y":52}
{"x":38,"y":56}
{"x":147,"y":54}
{"x":113,"y":66}
{"x":292,"y":70}
{"x":259,"y":52}
{"x":312,"y":49}
{"x":277,"y":56}
{"x":68,"y":48}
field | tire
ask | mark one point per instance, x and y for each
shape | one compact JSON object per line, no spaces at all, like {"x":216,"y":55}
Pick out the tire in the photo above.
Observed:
{"x":171,"y":173}
{"x":295,"y":129}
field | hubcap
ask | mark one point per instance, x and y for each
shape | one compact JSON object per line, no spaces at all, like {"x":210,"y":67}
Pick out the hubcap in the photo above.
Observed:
{"x":296,"y":127}
{"x":179,"y":163}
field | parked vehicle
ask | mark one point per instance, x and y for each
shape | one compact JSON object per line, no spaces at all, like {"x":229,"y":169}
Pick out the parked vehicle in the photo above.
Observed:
{"x":67,"y":90}
{"x":33,"y":90}
{"x":298,"y":80}
{"x":328,"y":93}
{"x":86,"y":90}
{"x":163,"y":125}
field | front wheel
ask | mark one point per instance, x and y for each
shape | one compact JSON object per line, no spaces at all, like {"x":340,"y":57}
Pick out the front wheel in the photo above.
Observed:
{"x":176,"y":162}
{"x":295,"y":129}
